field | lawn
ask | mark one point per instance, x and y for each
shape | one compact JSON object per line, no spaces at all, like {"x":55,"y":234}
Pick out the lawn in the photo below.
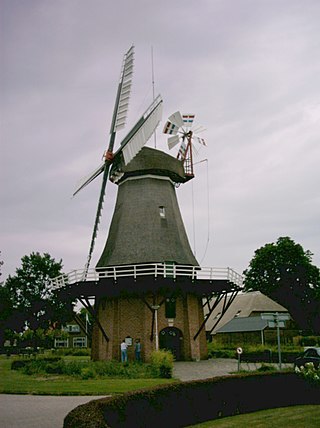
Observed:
{"x":15,"y":382}
{"x":287,"y":417}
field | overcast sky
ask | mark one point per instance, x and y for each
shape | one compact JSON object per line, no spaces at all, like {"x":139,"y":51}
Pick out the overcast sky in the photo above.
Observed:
{"x":248,"y":69}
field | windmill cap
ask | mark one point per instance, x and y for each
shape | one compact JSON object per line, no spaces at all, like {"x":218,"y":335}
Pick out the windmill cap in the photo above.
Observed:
{"x":156,"y":162}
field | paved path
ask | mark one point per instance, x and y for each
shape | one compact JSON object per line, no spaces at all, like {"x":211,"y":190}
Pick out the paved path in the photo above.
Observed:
{"x":36,"y":411}
{"x":211,"y":368}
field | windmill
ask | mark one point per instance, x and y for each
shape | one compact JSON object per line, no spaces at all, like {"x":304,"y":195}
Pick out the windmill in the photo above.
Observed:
{"x":182,"y":130}
{"x":129,"y":146}
{"x":147,"y":284}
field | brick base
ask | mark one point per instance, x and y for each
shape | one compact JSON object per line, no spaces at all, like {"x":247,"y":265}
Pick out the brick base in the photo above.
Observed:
{"x":133,"y":317}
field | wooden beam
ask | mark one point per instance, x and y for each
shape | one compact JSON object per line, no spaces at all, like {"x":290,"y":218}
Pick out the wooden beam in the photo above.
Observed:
{"x":226,"y":305}
{"x":94,"y":314}
{"x":218,"y":299}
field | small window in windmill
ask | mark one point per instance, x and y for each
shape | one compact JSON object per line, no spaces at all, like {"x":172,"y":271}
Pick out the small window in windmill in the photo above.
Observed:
{"x":170,"y":307}
{"x":162,"y":212}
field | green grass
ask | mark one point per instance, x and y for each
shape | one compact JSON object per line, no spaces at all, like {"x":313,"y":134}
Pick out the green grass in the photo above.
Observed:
{"x":15,"y":382}
{"x":286,"y":417}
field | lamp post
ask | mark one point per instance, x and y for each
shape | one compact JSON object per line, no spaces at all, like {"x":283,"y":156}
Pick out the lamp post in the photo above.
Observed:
{"x":155,"y":308}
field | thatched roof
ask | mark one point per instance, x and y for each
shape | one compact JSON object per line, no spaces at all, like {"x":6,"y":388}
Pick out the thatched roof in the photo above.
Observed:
{"x":147,"y":226}
{"x":245,"y":305}
{"x":156,"y":162}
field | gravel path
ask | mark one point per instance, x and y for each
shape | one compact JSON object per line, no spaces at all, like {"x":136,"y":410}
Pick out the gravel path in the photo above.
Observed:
{"x":211,"y":368}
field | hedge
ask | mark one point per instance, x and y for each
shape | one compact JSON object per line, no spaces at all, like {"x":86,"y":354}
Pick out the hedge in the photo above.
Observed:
{"x":266,"y":356}
{"x":187,"y":403}
{"x":19,"y":364}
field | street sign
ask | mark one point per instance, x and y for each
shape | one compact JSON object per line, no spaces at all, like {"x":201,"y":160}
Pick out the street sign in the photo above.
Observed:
{"x":268,"y":317}
{"x":273,"y":324}
{"x":276,"y":320}
{"x":275,"y":315}
{"x":239,"y":352}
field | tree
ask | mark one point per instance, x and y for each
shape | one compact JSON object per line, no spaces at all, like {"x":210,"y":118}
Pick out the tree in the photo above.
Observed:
{"x":6,"y":312}
{"x":32,"y":296}
{"x":1,"y":263}
{"x":284,"y":272}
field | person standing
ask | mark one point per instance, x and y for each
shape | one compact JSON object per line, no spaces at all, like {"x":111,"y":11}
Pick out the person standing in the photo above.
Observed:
{"x":124,"y":354}
{"x":137,"y":350}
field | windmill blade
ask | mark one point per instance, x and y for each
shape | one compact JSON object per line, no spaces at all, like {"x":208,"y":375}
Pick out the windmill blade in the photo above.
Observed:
{"x":119,"y":112}
{"x":200,"y":140}
{"x":173,"y":141}
{"x":123,"y":94}
{"x":88,"y":180}
{"x":141,"y":132}
{"x":170,"y":128}
{"x":176,"y":119}
{"x":195,"y":149}
{"x":98,"y":215}
{"x":188,"y":120}
{"x":198,"y":129}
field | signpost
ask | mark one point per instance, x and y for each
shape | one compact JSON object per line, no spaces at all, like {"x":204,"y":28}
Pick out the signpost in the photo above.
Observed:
{"x":239,"y":352}
{"x":276,"y":320}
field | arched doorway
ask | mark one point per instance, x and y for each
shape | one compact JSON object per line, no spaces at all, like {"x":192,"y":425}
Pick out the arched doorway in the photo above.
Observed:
{"x":171,"y":338}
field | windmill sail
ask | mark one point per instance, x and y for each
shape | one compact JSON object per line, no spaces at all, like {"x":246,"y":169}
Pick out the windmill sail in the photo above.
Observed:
{"x":119,"y":112}
{"x":188,"y":119}
{"x":136,"y":138}
{"x":170,"y":128}
{"x":123,"y":94}
{"x":142,"y":131}
{"x":98,"y":216}
{"x":176,"y":119}
{"x":173,"y":141}
{"x":90,"y":178}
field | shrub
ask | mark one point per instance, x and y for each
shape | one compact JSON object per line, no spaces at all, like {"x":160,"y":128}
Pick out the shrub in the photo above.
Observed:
{"x":76,"y":352}
{"x":309,"y":340}
{"x":55,"y":368}
{"x":221,"y":353}
{"x":310,"y":373}
{"x":73,"y":367}
{"x":18,"y":364}
{"x":88,"y":373}
{"x":162,"y":366}
{"x":162,"y":363}
{"x":266,"y":368}
{"x":33,"y":365}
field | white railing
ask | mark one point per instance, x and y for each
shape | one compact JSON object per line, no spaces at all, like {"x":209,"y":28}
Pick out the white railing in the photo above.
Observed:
{"x":152,"y":269}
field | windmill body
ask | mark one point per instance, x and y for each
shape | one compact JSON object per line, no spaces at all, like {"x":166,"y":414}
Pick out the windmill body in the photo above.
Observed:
{"x":147,"y":229}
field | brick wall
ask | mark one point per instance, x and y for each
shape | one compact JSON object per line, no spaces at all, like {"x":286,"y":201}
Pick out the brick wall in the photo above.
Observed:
{"x":132,"y":317}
